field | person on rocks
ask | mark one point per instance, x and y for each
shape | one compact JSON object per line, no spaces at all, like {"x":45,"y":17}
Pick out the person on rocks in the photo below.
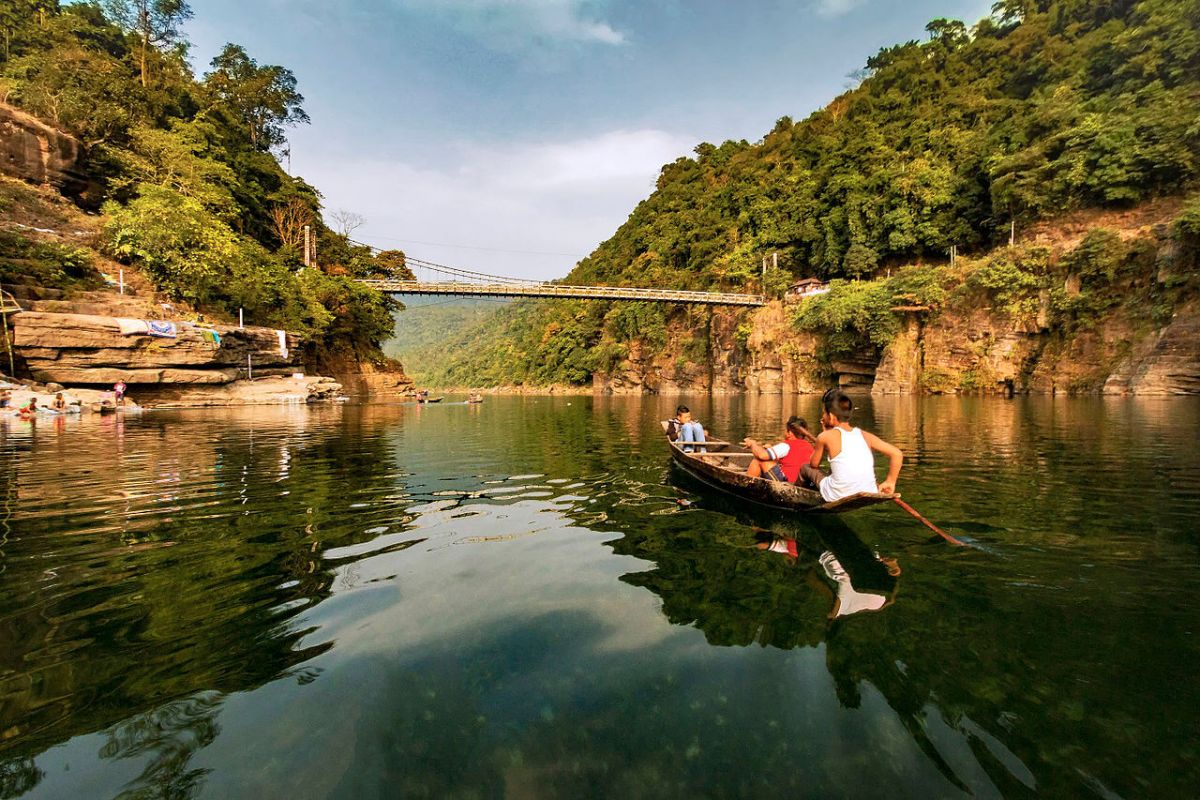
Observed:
{"x":782,"y":461}
{"x":119,"y":392}
{"x":683,"y":428}
{"x":5,"y":398}
{"x":851,"y":452}
{"x":28,"y":410}
{"x":59,"y":404}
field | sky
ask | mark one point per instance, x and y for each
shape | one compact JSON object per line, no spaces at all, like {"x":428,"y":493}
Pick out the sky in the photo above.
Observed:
{"x":513,"y":136}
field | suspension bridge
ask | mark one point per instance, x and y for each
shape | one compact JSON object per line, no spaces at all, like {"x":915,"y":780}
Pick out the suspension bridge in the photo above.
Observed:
{"x":439,"y":279}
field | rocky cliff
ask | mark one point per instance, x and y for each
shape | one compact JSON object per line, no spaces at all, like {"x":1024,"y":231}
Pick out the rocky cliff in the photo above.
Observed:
{"x":35,"y":152}
{"x":974,"y":352}
{"x":1107,"y":311}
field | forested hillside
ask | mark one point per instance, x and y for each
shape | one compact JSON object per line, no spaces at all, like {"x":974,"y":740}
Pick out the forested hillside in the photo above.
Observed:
{"x":422,"y":330}
{"x":1043,"y":107}
{"x":186,"y":170}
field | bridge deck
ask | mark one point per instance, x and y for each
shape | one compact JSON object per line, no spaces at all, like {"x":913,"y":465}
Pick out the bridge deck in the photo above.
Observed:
{"x":557,"y":290}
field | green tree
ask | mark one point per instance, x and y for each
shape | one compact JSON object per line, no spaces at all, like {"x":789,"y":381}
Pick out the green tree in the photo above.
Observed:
{"x":184,"y":159}
{"x":155,"y":23}
{"x":393,"y":264}
{"x":264,"y":98}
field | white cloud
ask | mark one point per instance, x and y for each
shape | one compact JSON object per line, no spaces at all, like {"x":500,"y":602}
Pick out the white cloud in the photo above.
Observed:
{"x":835,"y":8}
{"x":558,"y":197}
{"x":516,"y":23}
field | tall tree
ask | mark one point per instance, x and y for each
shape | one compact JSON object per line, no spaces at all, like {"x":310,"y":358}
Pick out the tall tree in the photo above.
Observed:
{"x":346,"y":222}
{"x":263,"y":97}
{"x":155,"y":22}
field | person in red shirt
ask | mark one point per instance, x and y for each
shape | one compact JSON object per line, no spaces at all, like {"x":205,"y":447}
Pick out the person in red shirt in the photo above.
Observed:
{"x":782,"y":461}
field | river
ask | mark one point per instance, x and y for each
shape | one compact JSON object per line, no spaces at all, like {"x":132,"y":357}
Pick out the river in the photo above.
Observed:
{"x":507,"y":600}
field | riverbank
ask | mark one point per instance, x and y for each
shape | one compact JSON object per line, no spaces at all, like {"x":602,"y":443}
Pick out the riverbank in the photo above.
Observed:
{"x":271,"y":390}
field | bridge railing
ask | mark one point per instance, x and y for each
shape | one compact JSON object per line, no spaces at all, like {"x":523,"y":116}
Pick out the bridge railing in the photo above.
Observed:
{"x":560,"y":290}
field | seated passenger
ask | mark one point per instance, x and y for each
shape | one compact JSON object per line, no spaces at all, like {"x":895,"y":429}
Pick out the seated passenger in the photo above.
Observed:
{"x":782,"y":461}
{"x":684,"y":428}
{"x":851,"y":460}
{"x":59,"y":404}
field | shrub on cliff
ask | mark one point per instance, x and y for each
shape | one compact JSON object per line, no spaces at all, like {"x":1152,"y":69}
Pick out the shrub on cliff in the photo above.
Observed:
{"x":194,"y":256}
{"x":857,"y":316}
{"x":852,"y":316}
{"x":356,"y":317}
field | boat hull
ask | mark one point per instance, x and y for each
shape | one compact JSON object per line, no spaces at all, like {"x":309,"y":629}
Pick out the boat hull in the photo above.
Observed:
{"x":760,"y":491}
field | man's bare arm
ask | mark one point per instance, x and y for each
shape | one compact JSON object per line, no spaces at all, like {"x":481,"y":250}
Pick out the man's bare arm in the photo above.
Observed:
{"x":818,"y":452}
{"x":895,"y":460}
{"x":757,"y":449}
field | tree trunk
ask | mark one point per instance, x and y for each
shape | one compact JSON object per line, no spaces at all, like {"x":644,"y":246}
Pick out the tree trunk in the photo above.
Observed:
{"x":144,"y":29}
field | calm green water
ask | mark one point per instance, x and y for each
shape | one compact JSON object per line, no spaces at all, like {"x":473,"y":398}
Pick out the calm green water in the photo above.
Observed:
{"x":507,"y":601}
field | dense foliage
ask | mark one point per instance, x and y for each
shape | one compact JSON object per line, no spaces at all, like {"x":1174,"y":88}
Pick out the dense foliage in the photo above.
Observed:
{"x":187,"y":166}
{"x":1044,"y":106}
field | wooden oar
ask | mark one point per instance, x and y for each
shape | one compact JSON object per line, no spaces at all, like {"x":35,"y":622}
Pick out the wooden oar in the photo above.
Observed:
{"x":927,"y":523}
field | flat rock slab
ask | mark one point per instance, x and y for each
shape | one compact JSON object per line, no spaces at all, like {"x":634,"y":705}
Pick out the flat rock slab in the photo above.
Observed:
{"x":90,"y":349}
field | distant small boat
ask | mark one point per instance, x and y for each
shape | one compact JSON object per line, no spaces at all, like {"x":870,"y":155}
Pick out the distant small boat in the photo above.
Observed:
{"x":474,"y":399}
{"x":423,"y":400}
{"x":723,"y":467}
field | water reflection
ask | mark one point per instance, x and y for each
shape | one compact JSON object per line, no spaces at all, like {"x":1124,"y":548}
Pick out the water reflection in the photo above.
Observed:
{"x":865,"y":580}
{"x":161,"y":570}
{"x":507,"y":600}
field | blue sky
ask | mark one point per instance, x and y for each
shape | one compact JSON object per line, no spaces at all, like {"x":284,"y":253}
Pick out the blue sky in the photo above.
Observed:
{"x":467,"y":130}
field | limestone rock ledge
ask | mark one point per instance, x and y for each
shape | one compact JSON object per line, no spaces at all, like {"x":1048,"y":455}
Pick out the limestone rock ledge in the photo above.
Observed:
{"x":1167,"y":364}
{"x":274,"y":390}
{"x":91,"y":350}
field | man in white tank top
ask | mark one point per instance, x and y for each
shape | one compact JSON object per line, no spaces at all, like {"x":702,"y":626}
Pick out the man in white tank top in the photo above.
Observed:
{"x":851,"y":452}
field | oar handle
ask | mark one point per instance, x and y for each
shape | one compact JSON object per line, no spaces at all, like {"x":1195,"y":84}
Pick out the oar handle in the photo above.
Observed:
{"x":927,"y":523}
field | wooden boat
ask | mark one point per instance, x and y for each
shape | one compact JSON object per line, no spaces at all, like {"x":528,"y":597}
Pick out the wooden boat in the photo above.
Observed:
{"x":723,"y":468}
{"x":431,"y":400}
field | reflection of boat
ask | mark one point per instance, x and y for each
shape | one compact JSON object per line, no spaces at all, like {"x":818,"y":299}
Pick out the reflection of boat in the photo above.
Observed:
{"x":723,"y":467}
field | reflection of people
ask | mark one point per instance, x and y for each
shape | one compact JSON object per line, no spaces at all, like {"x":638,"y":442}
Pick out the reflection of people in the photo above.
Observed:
{"x":865,"y":580}
{"x":782,"y":461}
{"x":683,"y":428}
{"x":851,"y":460}
{"x":849,"y":599}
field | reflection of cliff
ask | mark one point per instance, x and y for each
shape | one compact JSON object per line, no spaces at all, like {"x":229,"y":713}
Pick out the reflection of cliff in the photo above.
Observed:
{"x":175,"y":580}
